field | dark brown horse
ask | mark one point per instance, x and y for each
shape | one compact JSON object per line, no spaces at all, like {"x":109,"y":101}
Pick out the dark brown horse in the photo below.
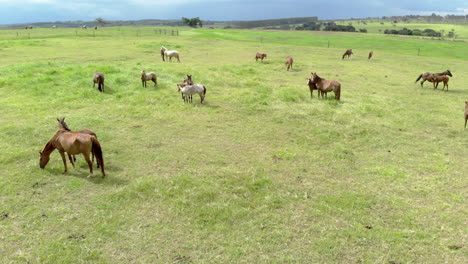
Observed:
{"x":289,"y":62}
{"x":72,"y":143}
{"x":348,"y":53}
{"x":436,"y":79}
{"x":99,"y":79}
{"x":62,"y":125}
{"x":260,"y":56}
{"x":327,"y":86}
{"x":312,"y":87}
{"x":466,"y":112}
{"x":148,"y":77}
{"x":427,"y":76}
{"x":370,"y":55}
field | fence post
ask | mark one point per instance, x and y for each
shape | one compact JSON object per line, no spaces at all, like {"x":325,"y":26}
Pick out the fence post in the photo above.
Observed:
{"x":328,"y":44}
{"x":17,"y":35}
{"x":419,"y":49}
{"x":76,"y":32}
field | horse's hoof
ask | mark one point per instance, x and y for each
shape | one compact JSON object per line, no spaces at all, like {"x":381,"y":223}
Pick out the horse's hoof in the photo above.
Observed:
{"x":90,"y":175}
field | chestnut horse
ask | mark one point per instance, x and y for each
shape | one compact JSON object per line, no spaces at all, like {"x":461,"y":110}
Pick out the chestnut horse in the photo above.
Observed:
{"x":148,"y":77}
{"x":348,"y":53}
{"x":289,"y":62}
{"x":62,"y":125}
{"x":260,"y":56}
{"x":327,"y":85}
{"x":312,"y":87}
{"x":72,"y":143}
{"x":99,"y":79}
{"x":436,"y":79}
{"x":427,"y":76}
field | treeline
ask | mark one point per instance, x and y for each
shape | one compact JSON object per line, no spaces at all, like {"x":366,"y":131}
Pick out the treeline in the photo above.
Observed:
{"x":416,"y":32}
{"x":328,"y":26}
{"x":433,"y":18}
{"x":274,"y":22}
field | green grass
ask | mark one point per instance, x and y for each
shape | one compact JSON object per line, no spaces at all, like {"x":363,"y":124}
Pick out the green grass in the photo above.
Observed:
{"x":260,"y":173}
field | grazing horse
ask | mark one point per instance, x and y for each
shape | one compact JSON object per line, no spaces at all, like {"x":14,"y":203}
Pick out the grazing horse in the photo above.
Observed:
{"x":72,"y":143}
{"x":370,"y":55}
{"x":466,"y":112}
{"x":327,"y":86}
{"x":436,"y":79}
{"x":427,"y":76}
{"x":348,"y":53}
{"x":169,"y":54}
{"x":62,"y":125}
{"x":260,"y":56}
{"x":189,"y":90}
{"x":289,"y":62}
{"x":148,"y":77}
{"x":99,"y":79}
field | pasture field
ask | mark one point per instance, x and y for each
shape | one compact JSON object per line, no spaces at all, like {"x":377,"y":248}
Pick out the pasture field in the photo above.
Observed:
{"x":260,"y":173}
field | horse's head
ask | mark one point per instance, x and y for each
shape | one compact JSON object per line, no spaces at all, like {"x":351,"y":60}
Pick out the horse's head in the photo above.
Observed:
{"x":264,"y":55}
{"x":43,"y":160}
{"x":163,"y":48}
{"x":449,"y":73}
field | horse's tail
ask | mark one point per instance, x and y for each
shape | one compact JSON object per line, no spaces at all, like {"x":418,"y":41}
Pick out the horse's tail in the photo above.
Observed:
{"x":420,"y":76}
{"x":97,"y":151}
{"x":204,"y":90}
{"x":466,"y":120}
{"x":343,"y":56}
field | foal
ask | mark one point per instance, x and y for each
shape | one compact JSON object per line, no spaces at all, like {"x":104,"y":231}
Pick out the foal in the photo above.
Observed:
{"x":99,"y":79}
{"x":148,"y":77}
{"x":289,"y":62}
{"x":260,"y":56}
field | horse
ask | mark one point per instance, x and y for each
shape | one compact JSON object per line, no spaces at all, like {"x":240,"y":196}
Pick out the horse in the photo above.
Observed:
{"x":312,"y":87}
{"x":84,"y":27}
{"x":169,"y":54}
{"x":348,"y":53}
{"x":466,"y":112}
{"x":327,"y":85}
{"x":260,"y":56}
{"x":99,"y":79}
{"x":73,"y":143}
{"x":188,"y":90}
{"x":148,"y":77}
{"x":427,"y":76}
{"x":289,"y":62}
{"x":370,"y":55}
{"x":186,"y":81}
{"x":436,"y":79}
{"x":64,"y":126}
{"x":95,"y":27}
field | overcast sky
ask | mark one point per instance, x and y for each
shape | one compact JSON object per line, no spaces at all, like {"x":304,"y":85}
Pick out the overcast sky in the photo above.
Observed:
{"x":27,"y":11}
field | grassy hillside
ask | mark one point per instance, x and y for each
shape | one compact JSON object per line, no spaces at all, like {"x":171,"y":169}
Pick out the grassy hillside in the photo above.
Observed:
{"x":260,"y":173}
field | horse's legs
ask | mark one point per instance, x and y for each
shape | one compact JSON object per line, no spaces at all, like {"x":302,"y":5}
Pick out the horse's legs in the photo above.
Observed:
{"x":90,"y":163}
{"x":64,"y":160}
{"x":143,"y":83}
{"x":71,"y":160}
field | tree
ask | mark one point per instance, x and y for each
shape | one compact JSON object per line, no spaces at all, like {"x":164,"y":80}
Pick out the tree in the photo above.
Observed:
{"x":100,"y":21}
{"x":192,"y":22}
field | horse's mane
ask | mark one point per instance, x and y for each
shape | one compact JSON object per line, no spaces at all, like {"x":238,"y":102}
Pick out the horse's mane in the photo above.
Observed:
{"x":64,"y":125}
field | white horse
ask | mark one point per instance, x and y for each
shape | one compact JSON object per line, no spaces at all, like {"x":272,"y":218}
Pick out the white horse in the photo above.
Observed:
{"x":188,"y":90}
{"x":165,"y":54}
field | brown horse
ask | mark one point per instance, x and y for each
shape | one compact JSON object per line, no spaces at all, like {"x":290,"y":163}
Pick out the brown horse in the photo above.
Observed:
{"x":312,"y":87}
{"x":436,"y":79}
{"x":370,"y":55}
{"x":260,"y":56}
{"x":99,"y":79}
{"x":348,"y":53}
{"x":148,"y":77}
{"x":427,"y":76}
{"x":289,"y":62}
{"x":186,"y":81}
{"x":62,"y":125}
{"x":327,"y":86}
{"x":72,"y":143}
{"x":466,"y":112}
